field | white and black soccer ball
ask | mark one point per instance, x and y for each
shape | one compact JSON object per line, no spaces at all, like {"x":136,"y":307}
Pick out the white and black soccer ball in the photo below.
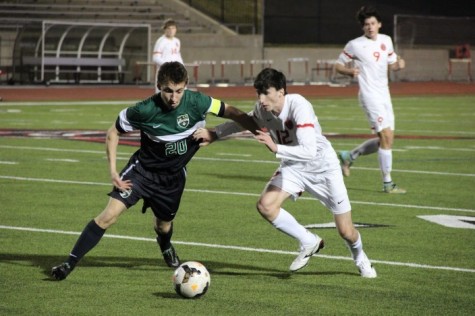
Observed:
{"x":191,"y":279}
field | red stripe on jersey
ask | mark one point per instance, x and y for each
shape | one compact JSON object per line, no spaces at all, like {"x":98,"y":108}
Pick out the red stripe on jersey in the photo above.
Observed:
{"x":305,"y":125}
{"x":349,"y":56}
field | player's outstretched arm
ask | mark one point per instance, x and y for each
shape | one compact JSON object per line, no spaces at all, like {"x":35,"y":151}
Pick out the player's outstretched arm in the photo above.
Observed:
{"x":239,"y":121}
{"x":240,"y":117}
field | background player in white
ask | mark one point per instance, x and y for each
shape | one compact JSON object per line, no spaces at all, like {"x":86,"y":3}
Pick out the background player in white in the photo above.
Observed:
{"x":367,"y":58}
{"x":167,"y":47}
{"x":308,"y":163}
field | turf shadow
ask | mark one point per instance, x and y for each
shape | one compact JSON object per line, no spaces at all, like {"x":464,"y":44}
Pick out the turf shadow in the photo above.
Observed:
{"x":46,"y":262}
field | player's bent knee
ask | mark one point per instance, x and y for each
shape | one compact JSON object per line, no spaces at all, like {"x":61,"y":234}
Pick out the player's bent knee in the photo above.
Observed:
{"x":263,"y":206}
{"x":347,"y":231}
{"x":266,"y":211}
{"x":350,"y":235}
{"x":108,"y":217}
{"x":162,"y":227}
{"x":105,"y":223}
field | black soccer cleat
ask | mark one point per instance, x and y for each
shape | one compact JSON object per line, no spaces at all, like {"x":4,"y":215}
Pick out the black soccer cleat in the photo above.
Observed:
{"x":61,"y":271}
{"x":171,"y":257}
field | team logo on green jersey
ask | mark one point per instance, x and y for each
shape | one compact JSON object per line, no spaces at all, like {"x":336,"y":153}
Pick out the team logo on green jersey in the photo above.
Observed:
{"x":183,"y":120}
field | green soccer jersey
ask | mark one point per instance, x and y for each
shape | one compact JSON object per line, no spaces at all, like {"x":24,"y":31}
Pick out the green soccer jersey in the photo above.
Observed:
{"x":166,"y":142}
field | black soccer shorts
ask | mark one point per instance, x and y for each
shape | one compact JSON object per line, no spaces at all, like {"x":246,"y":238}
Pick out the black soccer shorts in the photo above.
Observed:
{"x":161,"y":192}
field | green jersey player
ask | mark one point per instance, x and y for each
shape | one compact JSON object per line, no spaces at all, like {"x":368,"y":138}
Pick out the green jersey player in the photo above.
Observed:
{"x":156,"y":172}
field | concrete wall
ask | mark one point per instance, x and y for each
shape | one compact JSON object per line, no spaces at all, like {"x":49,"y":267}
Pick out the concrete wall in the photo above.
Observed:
{"x":221,"y":48}
{"x":422,"y":64}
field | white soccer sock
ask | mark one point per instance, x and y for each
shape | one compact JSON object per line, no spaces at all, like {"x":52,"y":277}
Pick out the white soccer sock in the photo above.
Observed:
{"x":385,"y":158}
{"x":287,"y":224}
{"x":356,"y":249}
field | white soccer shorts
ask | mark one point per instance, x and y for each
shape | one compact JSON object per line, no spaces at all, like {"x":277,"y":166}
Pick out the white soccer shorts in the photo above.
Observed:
{"x":379,"y":112}
{"x":328,"y":187}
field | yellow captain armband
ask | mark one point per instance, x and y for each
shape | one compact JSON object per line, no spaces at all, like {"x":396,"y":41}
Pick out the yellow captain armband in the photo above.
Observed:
{"x":217,"y":107}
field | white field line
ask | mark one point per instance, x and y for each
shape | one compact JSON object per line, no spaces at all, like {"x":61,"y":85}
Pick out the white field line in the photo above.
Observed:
{"x":420,"y":172}
{"x":400,"y":132}
{"x":62,"y":160}
{"x":261,"y":250}
{"x":424,"y":207}
{"x":237,"y":160}
{"x":438,"y":148}
{"x":233,"y":154}
{"x":54,"y":149}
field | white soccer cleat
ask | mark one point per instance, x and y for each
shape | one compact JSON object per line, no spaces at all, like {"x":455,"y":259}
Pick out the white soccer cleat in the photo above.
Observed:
{"x":305,"y":254}
{"x":366,"y":268}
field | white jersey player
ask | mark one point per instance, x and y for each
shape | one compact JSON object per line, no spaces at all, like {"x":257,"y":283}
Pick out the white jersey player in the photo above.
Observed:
{"x":308,"y":163}
{"x":167,"y":47}
{"x":368,"y":58}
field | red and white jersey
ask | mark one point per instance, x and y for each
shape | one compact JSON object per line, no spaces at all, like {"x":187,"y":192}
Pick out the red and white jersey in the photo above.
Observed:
{"x":372,"y":57}
{"x":166,"y":50}
{"x":297,"y":133}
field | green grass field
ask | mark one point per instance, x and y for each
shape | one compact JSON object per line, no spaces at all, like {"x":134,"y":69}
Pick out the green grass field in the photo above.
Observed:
{"x":52,"y":186}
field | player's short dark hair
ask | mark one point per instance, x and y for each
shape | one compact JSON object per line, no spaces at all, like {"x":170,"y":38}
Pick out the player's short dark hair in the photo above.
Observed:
{"x":173,"y":71}
{"x":167,"y":23}
{"x":366,"y":12}
{"x":270,"y":78}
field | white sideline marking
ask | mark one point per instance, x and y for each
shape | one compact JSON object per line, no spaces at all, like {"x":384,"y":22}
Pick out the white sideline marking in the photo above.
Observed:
{"x":438,"y":148}
{"x":421,"y":172}
{"x":61,"y":160}
{"x":233,"y":154}
{"x":8,"y":163}
{"x":424,"y":207}
{"x":281,"y":252}
{"x":55,"y":149}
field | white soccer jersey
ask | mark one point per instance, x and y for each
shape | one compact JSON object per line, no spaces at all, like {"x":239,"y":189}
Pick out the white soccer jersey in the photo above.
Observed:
{"x":166,"y":50}
{"x":372,"y":57}
{"x":297,"y":133}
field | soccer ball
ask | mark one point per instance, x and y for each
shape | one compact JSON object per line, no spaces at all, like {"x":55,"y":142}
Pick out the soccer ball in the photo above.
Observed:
{"x":191,"y":279}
